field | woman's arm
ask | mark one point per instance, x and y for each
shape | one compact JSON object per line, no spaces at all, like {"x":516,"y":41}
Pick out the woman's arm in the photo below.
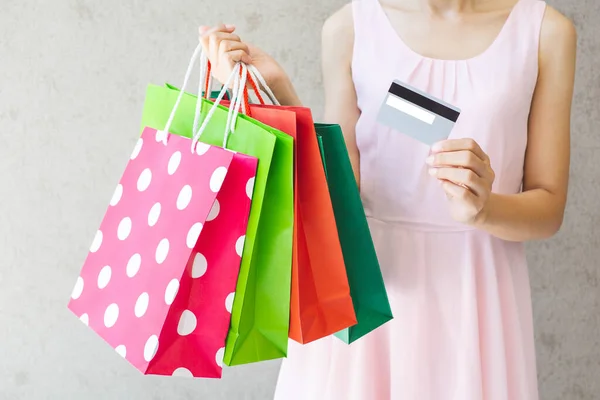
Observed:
{"x":537,"y":213}
{"x":340,"y":95}
{"x":337,"y":42}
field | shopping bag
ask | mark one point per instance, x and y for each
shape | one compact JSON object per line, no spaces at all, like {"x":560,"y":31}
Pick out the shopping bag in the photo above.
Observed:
{"x":320,"y":301}
{"x":159,"y":280}
{"x":321,"y":304}
{"x":260,"y":317}
{"x":364,"y":274}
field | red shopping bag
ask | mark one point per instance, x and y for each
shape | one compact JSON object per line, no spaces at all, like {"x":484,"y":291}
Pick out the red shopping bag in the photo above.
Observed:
{"x":159,"y":280}
{"x":321,"y":304}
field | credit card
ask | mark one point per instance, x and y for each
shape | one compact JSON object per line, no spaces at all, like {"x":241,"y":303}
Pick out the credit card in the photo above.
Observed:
{"x":417,"y":114}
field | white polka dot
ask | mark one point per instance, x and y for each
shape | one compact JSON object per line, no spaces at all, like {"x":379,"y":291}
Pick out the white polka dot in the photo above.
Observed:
{"x":141,"y":305}
{"x":214,"y":211}
{"x":97,"y":242}
{"x":160,"y":135}
{"x":184,"y":198}
{"x":144,"y":180}
{"x":217,"y":178}
{"x":187,"y":323}
{"x":174,"y":162}
{"x":154,"y":214}
{"x":117,"y":195}
{"x":220,"y":356}
{"x":239,"y":245}
{"x":111,"y":315}
{"x":78,"y":289}
{"x":85,"y":319}
{"x":137,"y":149}
{"x":104,"y":277}
{"x":229,"y":302}
{"x":124,"y":228}
{"x":162,"y":251}
{"x":133,"y":265}
{"x":151,"y":348}
{"x":171,"y":292}
{"x":183,"y":372}
{"x":250,"y":187}
{"x":200,"y":266}
{"x":121,"y":350}
{"x":202,"y":148}
{"x":193,"y":235}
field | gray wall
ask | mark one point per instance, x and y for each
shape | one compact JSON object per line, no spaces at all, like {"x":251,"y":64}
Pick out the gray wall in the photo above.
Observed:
{"x":72,"y":81}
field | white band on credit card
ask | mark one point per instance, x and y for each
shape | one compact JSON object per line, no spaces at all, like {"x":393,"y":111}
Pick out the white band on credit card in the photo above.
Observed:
{"x":410,"y":109}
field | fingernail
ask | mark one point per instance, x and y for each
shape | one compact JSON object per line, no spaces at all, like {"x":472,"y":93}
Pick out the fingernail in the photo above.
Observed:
{"x":230,"y":26}
{"x":436,"y":146}
{"x":432,"y":171}
{"x":429,"y":160}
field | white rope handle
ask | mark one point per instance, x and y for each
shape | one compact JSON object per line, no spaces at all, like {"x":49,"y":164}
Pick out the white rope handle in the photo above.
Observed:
{"x":233,"y":102}
{"x":239,"y":103}
{"x":212,"y":110}
{"x":186,"y":79}
{"x":237,"y":97}
{"x":201,"y":81}
{"x":256,"y":75}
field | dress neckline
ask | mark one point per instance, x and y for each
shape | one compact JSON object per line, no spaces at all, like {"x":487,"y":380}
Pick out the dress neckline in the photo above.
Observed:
{"x":388,"y":23}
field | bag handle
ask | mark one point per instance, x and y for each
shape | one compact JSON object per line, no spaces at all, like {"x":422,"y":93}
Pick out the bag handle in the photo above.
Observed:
{"x":239,"y":75}
{"x":188,"y":73}
{"x":254,"y":77}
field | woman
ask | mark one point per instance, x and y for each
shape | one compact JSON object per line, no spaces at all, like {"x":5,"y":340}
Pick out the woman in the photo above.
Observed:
{"x":448,"y":221}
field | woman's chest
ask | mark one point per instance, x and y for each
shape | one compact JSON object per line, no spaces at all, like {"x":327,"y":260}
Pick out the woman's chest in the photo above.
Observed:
{"x":456,"y":37}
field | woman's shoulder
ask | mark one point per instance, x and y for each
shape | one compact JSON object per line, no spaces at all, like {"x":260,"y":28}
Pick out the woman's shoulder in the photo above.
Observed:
{"x":558,"y":35}
{"x":341,"y":23}
{"x":338,"y":31}
{"x":557,"y":26}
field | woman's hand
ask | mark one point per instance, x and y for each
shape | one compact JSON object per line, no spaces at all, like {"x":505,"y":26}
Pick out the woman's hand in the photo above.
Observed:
{"x":466,"y":175}
{"x":224,"y":49}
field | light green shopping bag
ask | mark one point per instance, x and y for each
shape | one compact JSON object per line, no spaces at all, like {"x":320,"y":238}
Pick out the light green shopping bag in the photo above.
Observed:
{"x":260,"y":314}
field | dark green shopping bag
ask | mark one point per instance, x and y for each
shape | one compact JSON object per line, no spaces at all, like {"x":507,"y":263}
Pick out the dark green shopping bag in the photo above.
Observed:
{"x":367,"y":288}
{"x":260,"y":314}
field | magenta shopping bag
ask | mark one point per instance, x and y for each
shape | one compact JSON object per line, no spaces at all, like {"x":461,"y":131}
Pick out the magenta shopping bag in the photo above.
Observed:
{"x":159,"y":281}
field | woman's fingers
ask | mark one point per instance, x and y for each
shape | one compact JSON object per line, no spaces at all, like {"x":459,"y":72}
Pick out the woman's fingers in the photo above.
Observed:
{"x":454,"y":191}
{"x":451,"y":145}
{"x":462,"y":177}
{"x":235,"y":56}
{"x":460,"y":159}
{"x":221,"y":45}
{"x":214,"y":41}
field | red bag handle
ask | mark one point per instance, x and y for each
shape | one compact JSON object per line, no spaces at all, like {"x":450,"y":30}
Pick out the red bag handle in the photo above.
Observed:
{"x":252,"y":83}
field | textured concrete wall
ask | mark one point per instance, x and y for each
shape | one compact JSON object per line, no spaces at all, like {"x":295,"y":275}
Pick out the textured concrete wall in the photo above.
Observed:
{"x":72,"y":80}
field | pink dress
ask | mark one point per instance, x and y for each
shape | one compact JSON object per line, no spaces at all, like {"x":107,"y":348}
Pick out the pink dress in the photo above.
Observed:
{"x":463,"y":326}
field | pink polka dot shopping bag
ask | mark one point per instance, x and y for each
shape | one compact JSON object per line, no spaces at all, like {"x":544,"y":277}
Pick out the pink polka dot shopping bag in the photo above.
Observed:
{"x":260,"y":318}
{"x":159,"y":282}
